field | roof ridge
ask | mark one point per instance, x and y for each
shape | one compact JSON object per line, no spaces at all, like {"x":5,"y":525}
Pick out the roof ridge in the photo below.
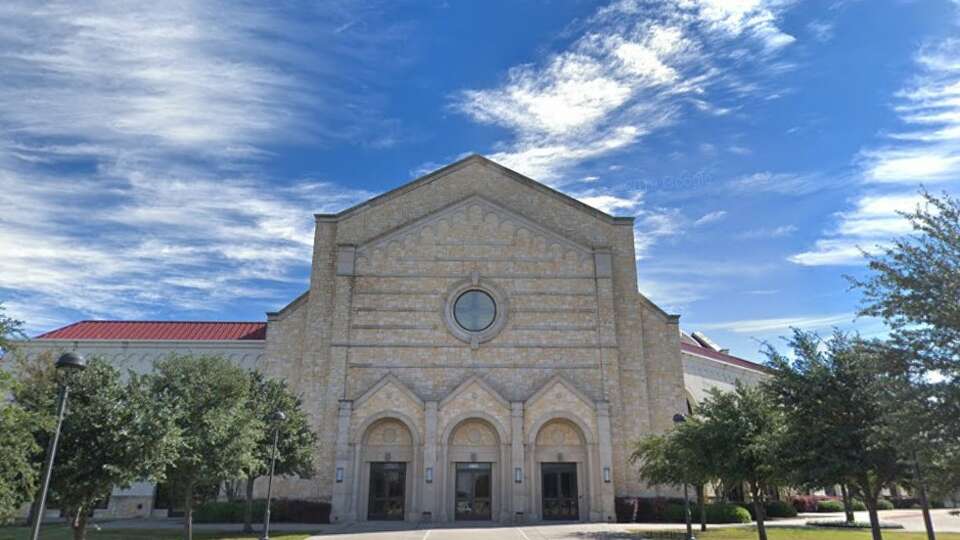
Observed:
{"x":155,"y":321}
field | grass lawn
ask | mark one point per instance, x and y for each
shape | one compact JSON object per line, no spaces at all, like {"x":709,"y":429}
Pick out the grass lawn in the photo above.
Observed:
{"x":782,"y":533}
{"x":59,"y":532}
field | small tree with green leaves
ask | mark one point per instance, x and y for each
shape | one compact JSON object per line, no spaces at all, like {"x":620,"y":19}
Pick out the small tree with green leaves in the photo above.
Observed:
{"x":219,"y":426}
{"x":834,"y":395}
{"x":295,"y":442}
{"x":18,"y":474}
{"x":114,"y":435}
{"x":10,"y":330}
{"x":676,"y":458}
{"x":742,"y":437}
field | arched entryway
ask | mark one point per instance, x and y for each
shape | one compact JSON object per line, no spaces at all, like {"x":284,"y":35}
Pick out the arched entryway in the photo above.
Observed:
{"x":562,"y":463}
{"x":474,"y":475}
{"x":388,"y":464}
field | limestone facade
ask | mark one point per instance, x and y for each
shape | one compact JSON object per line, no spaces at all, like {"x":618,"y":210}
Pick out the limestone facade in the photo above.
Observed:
{"x":575,"y":367}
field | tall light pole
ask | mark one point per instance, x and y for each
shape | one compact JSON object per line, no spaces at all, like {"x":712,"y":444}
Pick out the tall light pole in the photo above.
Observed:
{"x":276,"y":418}
{"x":68,"y":362}
{"x":679,"y":419}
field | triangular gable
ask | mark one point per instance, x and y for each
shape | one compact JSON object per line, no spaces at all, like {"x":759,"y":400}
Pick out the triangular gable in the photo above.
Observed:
{"x":467,"y":161}
{"x":471,"y":381}
{"x":553,"y":382}
{"x":388,"y":382}
{"x":487,"y":206}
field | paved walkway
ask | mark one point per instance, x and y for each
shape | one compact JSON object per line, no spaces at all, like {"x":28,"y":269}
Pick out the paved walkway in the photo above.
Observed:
{"x":912,"y":520}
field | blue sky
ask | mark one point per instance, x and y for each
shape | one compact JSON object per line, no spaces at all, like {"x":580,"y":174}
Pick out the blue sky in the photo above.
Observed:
{"x":164,"y":161}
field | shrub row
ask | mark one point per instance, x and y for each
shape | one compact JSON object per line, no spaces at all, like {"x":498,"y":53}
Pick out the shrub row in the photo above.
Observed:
{"x":664,"y":510}
{"x":836,"y":505}
{"x":281,"y":510}
{"x":912,"y":502}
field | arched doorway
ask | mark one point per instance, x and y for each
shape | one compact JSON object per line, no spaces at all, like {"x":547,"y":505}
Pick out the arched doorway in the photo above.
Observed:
{"x":562,"y":466}
{"x":388,"y":464}
{"x":474,"y":475}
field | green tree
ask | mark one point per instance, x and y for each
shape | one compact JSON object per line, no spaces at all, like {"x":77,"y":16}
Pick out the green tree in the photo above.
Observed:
{"x":912,"y":285}
{"x":742,"y":437}
{"x":676,"y":458}
{"x":834,"y":395}
{"x":114,"y":435}
{"x":296,"y":442}
{"x":210,"y":398}
{"x":10,"y":331}
{"x":18,"y":473}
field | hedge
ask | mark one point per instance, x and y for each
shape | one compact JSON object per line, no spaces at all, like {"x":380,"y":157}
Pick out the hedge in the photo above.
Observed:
{"x":829,"y":505}
{"x":664,"y":510}
{"x":884,"y":504}
{"x":281,"y":511}
{"x":780,"y":509}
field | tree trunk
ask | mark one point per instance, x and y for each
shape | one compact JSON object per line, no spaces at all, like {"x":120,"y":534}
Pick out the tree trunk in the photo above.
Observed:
{"x":188,"y":513}
{"x":759,"y":512}
{"x":702,"y":501}
{"x":847,"y":503}
{"x":870,"y":500}
{"x":248,"y":507}
{"x":79,"y":524}
{"x":924,"y":502}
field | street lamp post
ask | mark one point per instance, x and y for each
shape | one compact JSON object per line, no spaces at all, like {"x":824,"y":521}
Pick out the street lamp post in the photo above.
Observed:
{"x":679,"y":419}
{"x":276,"y":418}
{"x":67,"y":362}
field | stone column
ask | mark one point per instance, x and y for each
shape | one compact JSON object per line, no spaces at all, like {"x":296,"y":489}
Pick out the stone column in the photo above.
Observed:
{"x":605,"y":449}
{"x":430,"y":489}
{"x":520,"y":491}
{"x":343,"y":509}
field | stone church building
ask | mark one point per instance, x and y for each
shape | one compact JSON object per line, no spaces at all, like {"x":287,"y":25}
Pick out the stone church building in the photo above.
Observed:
{"x":472,"y":346}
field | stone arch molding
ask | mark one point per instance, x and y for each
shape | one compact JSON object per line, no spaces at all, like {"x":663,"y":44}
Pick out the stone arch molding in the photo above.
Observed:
{"x":490,"y":222}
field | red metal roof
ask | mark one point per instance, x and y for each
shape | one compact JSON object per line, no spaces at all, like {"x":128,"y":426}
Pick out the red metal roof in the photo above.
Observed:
{"x":160,"y":330}
{"x":722,"y":357}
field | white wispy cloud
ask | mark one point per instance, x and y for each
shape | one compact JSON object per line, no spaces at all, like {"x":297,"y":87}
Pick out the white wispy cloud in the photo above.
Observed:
{"x":867,"y":228}
{"x":131,"y":149}
{"x":928,"y":150}
{"x":634,"y":67}
{"x":710,"y":217}
{"x":780,"y":324}
{"x":768,"y":232}
{"x":776,"y":182}
{"x":611,"y":203}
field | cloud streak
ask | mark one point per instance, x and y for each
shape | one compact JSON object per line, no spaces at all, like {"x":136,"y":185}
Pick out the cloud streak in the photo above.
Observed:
{"x":134,"y":139}
{"x":632,"y":71}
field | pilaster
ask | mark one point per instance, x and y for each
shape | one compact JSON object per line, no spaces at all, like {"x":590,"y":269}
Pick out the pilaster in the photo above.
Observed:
{"x":520,"y":489}
{"x":344,"y":474}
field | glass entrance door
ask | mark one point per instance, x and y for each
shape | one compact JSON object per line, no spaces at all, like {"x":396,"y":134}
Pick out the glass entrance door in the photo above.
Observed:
{"x":560,"y":497}
{"x":473,"y":491}
{"x":387,"y":486}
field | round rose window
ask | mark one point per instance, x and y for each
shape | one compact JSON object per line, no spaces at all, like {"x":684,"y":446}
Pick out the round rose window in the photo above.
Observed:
{"x":474,"y":310}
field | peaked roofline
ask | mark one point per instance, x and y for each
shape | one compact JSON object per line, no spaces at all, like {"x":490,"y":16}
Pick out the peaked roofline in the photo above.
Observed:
{"x":475,"y":158}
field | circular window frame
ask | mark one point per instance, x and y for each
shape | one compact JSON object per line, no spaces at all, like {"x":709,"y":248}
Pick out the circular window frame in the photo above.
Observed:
{"x":501,"y":309}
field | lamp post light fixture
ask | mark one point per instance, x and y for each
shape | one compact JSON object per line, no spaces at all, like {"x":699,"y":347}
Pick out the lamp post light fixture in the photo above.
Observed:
{"x":679,"y":419}
{"x":277,"y":419}
{"x":68,"y":362}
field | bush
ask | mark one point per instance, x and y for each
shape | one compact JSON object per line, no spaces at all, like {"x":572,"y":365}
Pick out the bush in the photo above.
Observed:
{"x":727,"y":513}
{"x":912,"y":502}
{"x":780,"y":509}
{"x":654,"y":510}
{"x":806,"y":503}
{"x":716,"y":513}
{"x":626,"y":509}
{"x":857,"y":505}
{"x":829,"y":505}
{"x":884,"y":504}
{"x":281,"y":511}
